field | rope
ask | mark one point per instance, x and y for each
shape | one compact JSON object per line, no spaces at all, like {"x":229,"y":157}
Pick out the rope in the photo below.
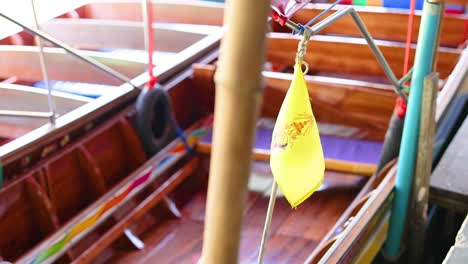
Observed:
{"x":150,"y":37}
{"x":302,"y":48}
{"x":400,"y":106}
{"x":409,"y":36}
{"x":153,"y":80}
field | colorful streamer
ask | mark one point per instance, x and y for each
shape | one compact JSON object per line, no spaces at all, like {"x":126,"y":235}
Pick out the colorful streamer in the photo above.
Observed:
{"x":91,"y":221}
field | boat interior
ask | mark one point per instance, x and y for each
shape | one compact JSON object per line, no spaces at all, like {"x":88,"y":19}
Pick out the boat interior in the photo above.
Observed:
{"x":53,"y":183}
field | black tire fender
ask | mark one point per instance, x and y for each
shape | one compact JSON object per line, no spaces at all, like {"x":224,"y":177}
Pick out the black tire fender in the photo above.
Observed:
{"x":154,"y":119}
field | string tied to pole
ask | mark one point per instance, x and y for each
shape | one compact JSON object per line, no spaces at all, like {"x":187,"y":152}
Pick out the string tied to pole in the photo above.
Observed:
{"x":302,"y":48}
{"x":149,"y":41}
{"x":300,"y":31}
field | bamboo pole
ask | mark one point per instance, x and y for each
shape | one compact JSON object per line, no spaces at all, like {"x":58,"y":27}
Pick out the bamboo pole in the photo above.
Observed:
{"x":420,"y":189}
{"x":238,"y":95}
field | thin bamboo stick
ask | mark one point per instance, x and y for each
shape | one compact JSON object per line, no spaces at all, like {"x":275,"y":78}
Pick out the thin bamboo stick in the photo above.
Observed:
{"x":238,"y":97}
{"x":420,"y":189}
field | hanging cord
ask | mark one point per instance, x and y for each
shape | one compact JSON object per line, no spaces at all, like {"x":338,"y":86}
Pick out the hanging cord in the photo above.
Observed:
{"x":149,"y":41}
{"x":302,"y":48}
{"x":409,"y":37}
{"x":400,"y":107}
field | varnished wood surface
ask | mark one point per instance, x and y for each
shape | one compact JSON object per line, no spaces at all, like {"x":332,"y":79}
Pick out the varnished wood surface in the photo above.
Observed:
{"x":394,"y":28}
{"x":24,"y":98}
{"x":44,"y":10}
{"x":23,"y":62}
{"x":382,"y":23}
{"x":173,"y":11}
{"x":98,"y":34}
{"x":363,"y":105}
{"x":364,"y":169}
{"x":294,"y":233}
{"x":146,"y":205}
{"x":349,"y":55}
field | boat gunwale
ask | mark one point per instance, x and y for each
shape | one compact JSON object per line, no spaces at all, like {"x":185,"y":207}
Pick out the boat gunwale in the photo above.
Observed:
{"x":146,"y":167}
{"x":344,"y":243}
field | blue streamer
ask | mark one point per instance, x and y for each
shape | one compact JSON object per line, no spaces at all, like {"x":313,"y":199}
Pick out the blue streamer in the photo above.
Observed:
{"x":180,"y":133}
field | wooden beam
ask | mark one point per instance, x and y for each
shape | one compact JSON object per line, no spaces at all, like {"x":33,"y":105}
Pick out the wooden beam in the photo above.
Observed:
{"x":419,"y":200}
{"x":363,"y":105}
{"x":23,"y":62}
{"x":382,"y":23}
{"x":97,"y":34}
{"x":170,"y":11}
{"x":350,"y":55}
{"x":26,"y":98}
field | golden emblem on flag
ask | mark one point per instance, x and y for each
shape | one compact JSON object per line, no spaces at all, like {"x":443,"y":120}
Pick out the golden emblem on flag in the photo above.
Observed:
{"x":286,"y":136}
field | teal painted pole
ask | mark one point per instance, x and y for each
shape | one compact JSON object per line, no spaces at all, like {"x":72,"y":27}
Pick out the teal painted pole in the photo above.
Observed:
{"x":427,"y":39}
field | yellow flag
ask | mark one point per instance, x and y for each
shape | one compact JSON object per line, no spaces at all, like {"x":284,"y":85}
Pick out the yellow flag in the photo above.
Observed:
{"x":296,"y":160}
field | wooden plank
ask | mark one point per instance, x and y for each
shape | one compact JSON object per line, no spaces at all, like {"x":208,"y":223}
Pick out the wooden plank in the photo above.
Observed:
{"x":457,"y":81}
{"x":394,"y":27}
{"x":22,"y":11}
{"x":359,"y":228}
{"x":349,"y":55}
{"x":173,"y":241}
{"x":23,"y":62}
{"x":286,"y":249}
{"x":448,"y":182}
{"x":196,"y":207}
{"x":170,"y":11}
{"x":96,"y":34}
{"x":316,"y":220}
{"x":418,"y":203}
{"x":362,"y":169}
{"x":25,"y":98}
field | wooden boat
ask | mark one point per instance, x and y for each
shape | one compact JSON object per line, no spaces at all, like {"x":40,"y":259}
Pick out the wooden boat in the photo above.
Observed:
{"x":92,"y":166}
{"x":19,"y":61}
